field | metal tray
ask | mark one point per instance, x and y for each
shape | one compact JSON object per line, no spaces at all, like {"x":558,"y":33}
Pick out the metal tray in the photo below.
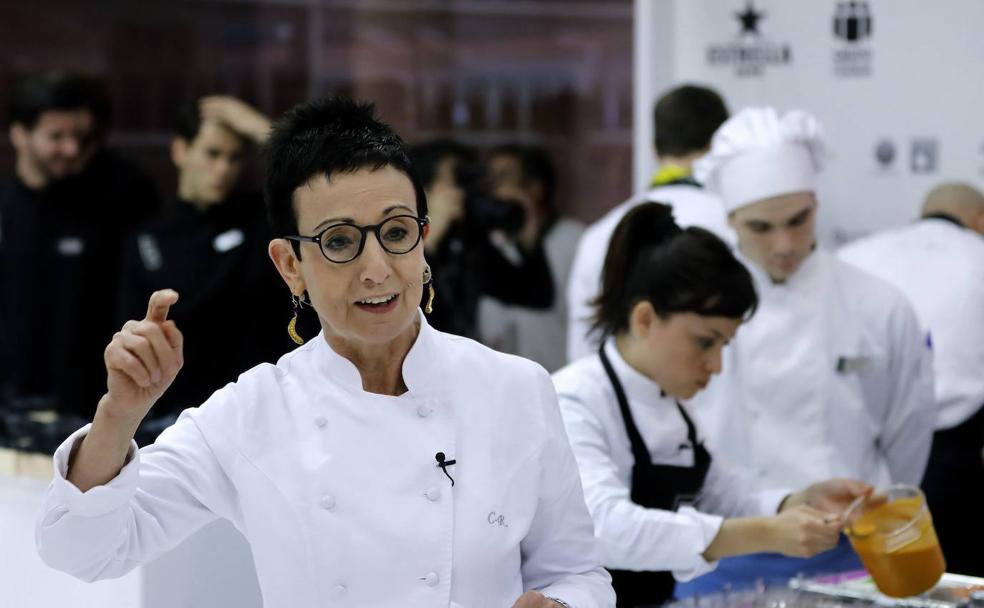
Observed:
{"x":952,"y":591}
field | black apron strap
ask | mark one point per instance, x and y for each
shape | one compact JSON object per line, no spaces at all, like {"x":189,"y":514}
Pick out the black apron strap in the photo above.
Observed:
{"x":691,"y":428}
{"x":639,"y":450}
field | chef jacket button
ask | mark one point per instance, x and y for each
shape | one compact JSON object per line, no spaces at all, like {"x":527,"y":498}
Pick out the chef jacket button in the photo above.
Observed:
{"x":328,"y":502}
{"x":321,"y":421}
{"x":431,"y":579}
{"x":338,"y":591}
{"x":423,"y":410}
{"x":433,"y":494}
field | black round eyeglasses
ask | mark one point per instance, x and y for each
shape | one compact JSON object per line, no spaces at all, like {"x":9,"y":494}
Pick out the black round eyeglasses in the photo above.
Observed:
{"x":341,"y":243}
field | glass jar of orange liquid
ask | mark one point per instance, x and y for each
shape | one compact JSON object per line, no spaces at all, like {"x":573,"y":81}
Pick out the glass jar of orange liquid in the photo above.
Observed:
{"x":892,"y":532}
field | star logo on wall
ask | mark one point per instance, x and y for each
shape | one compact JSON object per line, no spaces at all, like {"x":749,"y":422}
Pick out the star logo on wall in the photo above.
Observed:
{"x":749,"y":19}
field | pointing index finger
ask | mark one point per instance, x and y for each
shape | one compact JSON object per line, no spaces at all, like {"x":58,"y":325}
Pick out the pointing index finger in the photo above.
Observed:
{"x":160,"y":303}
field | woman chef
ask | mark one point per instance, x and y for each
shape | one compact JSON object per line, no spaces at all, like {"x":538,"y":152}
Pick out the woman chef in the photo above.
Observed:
{"x":670,"y":300}
{"x":383,"y":463}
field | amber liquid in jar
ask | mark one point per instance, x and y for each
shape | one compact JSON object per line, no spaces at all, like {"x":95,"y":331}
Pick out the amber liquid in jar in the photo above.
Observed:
{"x":903,"y":563}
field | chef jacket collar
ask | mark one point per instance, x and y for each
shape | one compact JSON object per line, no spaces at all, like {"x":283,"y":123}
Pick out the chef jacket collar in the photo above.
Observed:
{"x":799,"y":280}
{"x":421,"y":367}
{"x":946,"y":217}
{"x":638,"y":387}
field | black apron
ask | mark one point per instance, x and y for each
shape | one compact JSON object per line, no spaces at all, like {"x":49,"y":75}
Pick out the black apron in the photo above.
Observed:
{"x":656,"y":487}
{"x":954,"y":488}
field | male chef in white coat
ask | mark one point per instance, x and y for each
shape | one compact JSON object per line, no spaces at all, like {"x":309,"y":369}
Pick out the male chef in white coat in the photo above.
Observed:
{"x":832,"y":377}
{"x":684,"y":119}
{"x":938,"y":262}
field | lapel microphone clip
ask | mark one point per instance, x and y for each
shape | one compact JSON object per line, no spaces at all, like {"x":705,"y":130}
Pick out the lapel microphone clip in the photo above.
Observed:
{"x":444,"y":464}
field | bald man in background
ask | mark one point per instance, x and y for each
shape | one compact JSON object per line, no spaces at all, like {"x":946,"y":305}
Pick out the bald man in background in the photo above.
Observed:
{"x":938,"y":262}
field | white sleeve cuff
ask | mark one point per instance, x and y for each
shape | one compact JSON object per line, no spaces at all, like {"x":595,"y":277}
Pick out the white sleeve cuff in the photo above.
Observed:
{"x":100,"y":499}
{"x":704,"y":532}
{"x":769,"y":500}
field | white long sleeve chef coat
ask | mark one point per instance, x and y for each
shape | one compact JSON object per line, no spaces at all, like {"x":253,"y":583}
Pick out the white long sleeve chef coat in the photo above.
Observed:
{"x":832,"y":377}
{"x":338,"y":492}
{"x":633,"y":537}
{"x":939,"y":266}
{"x":692,"y":206}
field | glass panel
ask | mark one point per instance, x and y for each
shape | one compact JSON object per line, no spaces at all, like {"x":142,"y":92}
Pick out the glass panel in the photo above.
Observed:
{"x":551,"y":72}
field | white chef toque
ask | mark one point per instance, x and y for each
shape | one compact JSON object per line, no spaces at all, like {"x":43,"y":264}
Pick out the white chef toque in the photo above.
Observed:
{"x":757,"y":154}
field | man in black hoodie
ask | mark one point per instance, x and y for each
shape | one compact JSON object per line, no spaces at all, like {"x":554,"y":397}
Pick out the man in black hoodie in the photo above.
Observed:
{"x":210,"y":245}
{"x":64,"y":211}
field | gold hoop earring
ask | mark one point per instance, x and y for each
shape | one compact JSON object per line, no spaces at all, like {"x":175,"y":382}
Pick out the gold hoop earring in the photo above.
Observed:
{"x":292,"y":324}
{"x":429,"y":282}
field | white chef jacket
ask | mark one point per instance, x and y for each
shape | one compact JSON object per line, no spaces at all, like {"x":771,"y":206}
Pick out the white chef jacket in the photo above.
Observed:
{"x":692,"y":206}
{"x":832,"y":377}
{"x":338,"y":492}
{"x":939,"y":266}
{"x":540,"y":335}
{"x":633,"y":537}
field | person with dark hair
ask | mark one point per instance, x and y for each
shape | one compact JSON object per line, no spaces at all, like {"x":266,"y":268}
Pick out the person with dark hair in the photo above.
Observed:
{"x":64,"y":212}
{"x":526,"y":174}
{"x":209,"y":244}
{"x":834,"y":375}
{"x":684,"y":118}
{"x":479,"y":244}
{"x":671,"y":299}
{"x":383,"y":463}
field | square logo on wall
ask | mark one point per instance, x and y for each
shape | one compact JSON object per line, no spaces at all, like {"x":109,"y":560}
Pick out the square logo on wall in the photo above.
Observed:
{"x":853,"y":27}
{"x":852,"y":21}
{"x":924,"y":155}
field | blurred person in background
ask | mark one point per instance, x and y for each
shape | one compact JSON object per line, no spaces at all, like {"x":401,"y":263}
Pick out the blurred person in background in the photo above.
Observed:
{"x":832,"y":377}
{"x":938,"y":262}
{"x":209,"y":244}
{"x":64,"y":211}
{"x":684,"y":119}
{"x":526,"y":174}
{"x":478,"y":244}
{"x":671,"y":300}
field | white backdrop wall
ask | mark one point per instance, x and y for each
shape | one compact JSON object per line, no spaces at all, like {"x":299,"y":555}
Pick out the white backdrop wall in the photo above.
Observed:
{"x":897,"y":84}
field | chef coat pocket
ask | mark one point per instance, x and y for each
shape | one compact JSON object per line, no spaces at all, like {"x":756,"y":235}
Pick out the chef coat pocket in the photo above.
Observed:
{"x":852,"y":364}
{"x":858,"y":370}
{"x":857,"y":355}
{"x":504,"y":508}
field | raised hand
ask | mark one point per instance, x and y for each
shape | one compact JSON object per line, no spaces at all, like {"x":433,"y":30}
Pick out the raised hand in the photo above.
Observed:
{"x":142,"y":360}
{"x":238,"y":115}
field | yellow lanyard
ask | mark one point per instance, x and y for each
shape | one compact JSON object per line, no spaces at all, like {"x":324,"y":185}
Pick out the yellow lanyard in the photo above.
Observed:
{"x":667,"y":174}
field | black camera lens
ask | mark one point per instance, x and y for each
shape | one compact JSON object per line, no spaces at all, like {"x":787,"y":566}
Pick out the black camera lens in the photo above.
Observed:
{"x":492,"y":213}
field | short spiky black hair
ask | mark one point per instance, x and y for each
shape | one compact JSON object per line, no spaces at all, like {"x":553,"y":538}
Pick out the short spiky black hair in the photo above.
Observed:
{"x":326,"y":137}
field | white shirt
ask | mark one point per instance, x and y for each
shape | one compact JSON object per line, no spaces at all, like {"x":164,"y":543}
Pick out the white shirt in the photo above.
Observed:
{"x":781,"y":408}
{"x":692,"y":206}
{"x":940,"y":267}
{"x":338,"y":492}
{"x":540,"y":335}
{"x":633,"y":537}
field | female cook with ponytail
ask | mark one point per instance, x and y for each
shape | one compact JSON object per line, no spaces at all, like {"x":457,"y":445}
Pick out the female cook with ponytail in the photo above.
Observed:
{"x":671,"y":300}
